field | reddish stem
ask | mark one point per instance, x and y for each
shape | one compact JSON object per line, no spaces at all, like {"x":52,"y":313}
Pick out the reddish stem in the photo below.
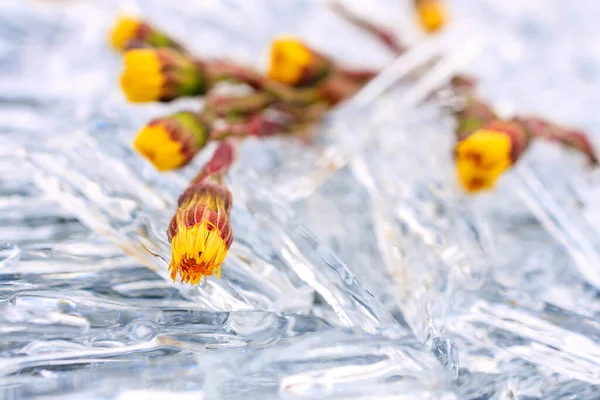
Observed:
{"x":539,"y":127}
{"x":258,"y":125}
{"x":227,"y":106}
{"x":221,"y":70}
{"x":361,"y":76}
{"x":220,"y":162}
{"x":386,"y":37}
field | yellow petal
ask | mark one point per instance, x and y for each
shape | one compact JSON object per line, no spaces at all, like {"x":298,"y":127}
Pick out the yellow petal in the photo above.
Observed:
{"x":196,"y":252}
{"x":123,"y":32}
{"x":482,"y":158}
{"x":156,"y":145}
{"x":432,"y":15}
{"x":142,"y":79}
{"x":288,"y":60}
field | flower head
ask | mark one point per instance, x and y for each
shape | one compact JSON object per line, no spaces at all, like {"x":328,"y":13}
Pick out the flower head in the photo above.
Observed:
{"x":431,"y":14}
{"x":130,"y":31}
{"x":171,"y":142}
{"x":200,"y":232}
{"x":293,"y":63}
{"x":483,"y":156}
{"x":160,"y":75}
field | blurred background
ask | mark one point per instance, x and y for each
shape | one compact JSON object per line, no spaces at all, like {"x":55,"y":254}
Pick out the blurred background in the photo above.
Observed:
{"x":65,"y":289}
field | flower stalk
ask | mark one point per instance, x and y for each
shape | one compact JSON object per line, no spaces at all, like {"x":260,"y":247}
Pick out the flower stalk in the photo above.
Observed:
{"x":385,"y":37}
{"x":570,"y":138}
{"x":238,"y":107}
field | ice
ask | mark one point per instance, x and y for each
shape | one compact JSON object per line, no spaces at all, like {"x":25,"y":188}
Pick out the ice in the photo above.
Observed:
{"x":358,"y":270}
{"x":10,"y":254}
{"x":274,"y":265}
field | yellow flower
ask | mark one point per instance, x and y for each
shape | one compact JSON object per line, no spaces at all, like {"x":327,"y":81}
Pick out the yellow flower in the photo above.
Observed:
{"x":142,"y":79}
{"x":289,"y":60}
{"x":155,"y":143}
{"x":200,"y":232}
{"x":124,"y":31}
{"x":130,"y":31}
{"x":160,"y":75}
{"x":431,"y":14}
{"x":171,"y":142}
{"x":482,"y":158}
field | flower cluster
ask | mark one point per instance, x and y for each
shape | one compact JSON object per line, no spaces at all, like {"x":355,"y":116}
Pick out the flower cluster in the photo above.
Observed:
{"x":299,"y":87}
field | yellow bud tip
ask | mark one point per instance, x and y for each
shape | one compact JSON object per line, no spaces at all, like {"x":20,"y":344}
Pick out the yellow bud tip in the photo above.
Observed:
{"x":196,"y":252}
{"x":123,"y":32}
{"x":142,"y":80}
{"x":156,"y":145}
{"x":288,"y":60}
{"x":482,"y":158}
{"x":432,"y":15}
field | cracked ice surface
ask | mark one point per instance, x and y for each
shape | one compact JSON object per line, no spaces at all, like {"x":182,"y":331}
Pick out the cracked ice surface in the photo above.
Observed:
{"x":383,"y":281}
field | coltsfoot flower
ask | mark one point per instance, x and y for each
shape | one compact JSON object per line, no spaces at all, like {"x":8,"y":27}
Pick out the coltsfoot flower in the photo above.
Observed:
{"x":293,"y":63}
{"x":130,"y":31}
{"x":483,"y":156}
{"x":171,"y":142}
{"x":160,"y":75}
{"x":431,"y":14}
{"x":200,"y":231}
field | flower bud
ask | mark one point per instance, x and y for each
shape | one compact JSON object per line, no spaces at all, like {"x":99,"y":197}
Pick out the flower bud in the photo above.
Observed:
{"x":160,"y":75}
{"x":293,"y":63}
{"x":129,"y":32}
{"x":171,"y":142}
{"x":431,"y":14}
{"x":200,"y":232}
{"x":483,"y":156}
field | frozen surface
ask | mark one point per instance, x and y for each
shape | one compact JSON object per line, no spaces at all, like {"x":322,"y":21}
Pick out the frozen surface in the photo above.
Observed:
{"x":359,"y":270}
